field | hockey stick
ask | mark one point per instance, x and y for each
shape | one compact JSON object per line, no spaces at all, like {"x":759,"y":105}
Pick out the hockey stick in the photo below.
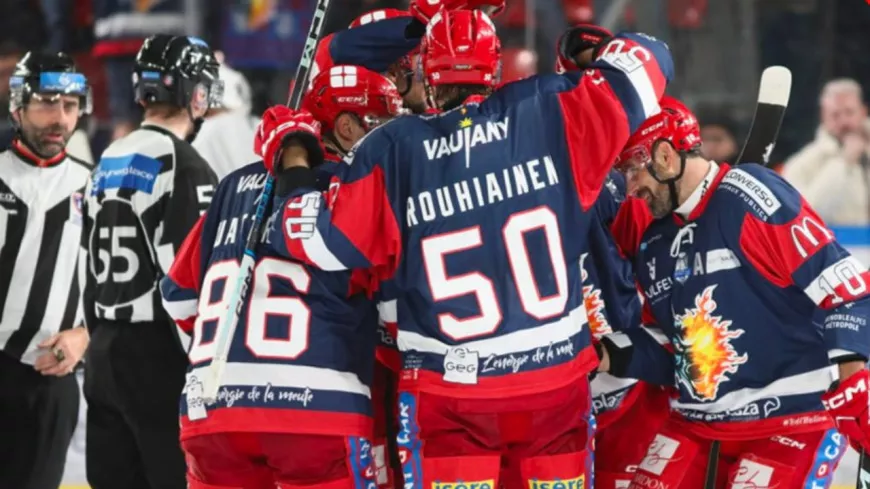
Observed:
{"x":863,"y":481}
{"x":224,"y":335}
{"x":773,"y":94}
{"x":712,"y":466}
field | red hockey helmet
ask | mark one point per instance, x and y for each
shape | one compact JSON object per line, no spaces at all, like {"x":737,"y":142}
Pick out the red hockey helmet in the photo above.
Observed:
{"x":460,"y":47}
{"x":344,"y":88}
{"x":675,"y":124}
{"x":379,"y":14}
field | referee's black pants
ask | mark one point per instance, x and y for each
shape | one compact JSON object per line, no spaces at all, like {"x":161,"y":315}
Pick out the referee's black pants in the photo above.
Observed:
{"x":134,"y":374}
{"x":38,"y":416}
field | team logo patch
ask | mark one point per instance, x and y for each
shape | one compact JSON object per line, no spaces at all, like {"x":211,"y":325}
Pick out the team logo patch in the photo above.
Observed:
{"x":76,"y":207}
{"x":706,"y":356}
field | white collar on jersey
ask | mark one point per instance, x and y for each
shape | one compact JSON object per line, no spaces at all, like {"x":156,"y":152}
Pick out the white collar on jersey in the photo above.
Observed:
{"x":694,"y":199}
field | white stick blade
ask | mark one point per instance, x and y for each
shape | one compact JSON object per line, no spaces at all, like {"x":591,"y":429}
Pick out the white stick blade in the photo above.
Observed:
{"x":775,"y":86}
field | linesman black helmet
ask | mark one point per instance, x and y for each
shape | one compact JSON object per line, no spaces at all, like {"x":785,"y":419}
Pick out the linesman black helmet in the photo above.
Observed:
{"x":170,"y":68}
{"x":47,"y":74}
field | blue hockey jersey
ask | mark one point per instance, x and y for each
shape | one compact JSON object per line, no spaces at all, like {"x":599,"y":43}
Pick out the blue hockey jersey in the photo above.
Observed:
{"x":302,"y":356}
{"x":736,"y":286}
{"x":480,"y":215}
{"x":611,"y":298}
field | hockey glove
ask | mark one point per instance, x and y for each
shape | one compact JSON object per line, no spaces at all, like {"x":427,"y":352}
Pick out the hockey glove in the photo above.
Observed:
{"x":575,"y":41}
{"x":280,"y":126}
{"x":424,"y":10}
{"x":848,"y":403}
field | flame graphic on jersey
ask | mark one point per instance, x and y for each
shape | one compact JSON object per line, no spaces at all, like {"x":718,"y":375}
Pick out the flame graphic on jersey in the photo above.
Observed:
{"x":706,"y":354}
{"x":594,"y":304}
{"x":595,"y":311}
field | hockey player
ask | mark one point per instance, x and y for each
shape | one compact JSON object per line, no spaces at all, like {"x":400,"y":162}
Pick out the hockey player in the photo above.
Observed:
{"x":479,"y":214}
{"x":349,"y":101}
{"x":734,"y":270}
{"x":628,"y":412}
{"x":145,"y":195}
{"x":41,"y":338}
{"x":388,"y":40}
{"x":296,"y":409}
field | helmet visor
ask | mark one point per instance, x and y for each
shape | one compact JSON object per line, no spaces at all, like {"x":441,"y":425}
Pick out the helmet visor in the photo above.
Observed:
{"x":51,"y":83}
{"x":633,"y":160}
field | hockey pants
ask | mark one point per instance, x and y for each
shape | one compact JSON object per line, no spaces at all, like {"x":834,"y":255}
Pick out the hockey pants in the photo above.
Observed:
{"x":530,"y":442}
{"x":677,"y":459}
{"x":278,"y":460}
{"x":621,"y":443}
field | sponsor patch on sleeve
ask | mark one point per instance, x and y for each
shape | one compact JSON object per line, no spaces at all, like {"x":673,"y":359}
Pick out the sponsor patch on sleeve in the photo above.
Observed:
{"x":758,"y":196}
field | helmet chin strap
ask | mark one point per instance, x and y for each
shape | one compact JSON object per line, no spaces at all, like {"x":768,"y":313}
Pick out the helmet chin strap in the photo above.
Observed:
{"x":671,"y":182}
{"x":197,"y":124}
{"x":336,"y":145}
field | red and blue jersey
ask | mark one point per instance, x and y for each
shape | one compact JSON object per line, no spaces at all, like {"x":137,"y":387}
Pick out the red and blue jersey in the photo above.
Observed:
{"x":374,"y":46}
{"x":611,"y":298}
{"x":756,"y":297}
{"x":302,"y":356}
{"x":480,"y":216}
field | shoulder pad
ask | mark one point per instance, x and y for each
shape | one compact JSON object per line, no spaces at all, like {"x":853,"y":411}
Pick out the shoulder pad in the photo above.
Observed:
{"x":761,"y":191}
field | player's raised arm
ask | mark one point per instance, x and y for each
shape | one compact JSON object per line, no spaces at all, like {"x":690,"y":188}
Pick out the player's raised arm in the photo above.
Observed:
{"x":610,"y":100}
{"x":352,"y":226}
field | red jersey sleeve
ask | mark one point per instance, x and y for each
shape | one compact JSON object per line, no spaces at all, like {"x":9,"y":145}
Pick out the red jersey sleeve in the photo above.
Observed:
{"x":351,"y":226}
{"x":618,"y":92}
{"x":791,"y":247}
{"x":180,"y":288}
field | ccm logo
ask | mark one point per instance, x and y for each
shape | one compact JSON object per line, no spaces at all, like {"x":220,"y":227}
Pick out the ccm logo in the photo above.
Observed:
{"x":846,"y":396}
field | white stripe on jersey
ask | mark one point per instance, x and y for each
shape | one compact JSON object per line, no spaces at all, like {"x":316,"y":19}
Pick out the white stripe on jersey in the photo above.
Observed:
{"x":519,"y":341}
{"x":604,"y":383}
{"x":288,"y":376}
{"x":387,"y":311}
{"x":814,"y":381}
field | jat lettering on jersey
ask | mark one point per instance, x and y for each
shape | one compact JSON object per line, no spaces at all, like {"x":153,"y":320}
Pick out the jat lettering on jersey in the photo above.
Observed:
{"x":468,"y":136}
{"x":705,"y":354}
{"x":476,"y":192}
{"x":578,"y":482}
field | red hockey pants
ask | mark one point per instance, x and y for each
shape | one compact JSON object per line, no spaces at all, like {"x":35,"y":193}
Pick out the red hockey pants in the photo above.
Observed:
{"x":677,"y":459}
{"x":538,"y":441}
{"x":270,"y":460}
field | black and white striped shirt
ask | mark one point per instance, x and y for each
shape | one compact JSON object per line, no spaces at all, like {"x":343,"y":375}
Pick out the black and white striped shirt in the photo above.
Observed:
{"x":144,"y":196}
{"x":40,"y":232}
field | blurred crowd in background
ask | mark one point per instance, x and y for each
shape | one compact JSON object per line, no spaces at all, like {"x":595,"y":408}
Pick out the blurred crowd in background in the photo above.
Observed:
{"x":720,"y":46}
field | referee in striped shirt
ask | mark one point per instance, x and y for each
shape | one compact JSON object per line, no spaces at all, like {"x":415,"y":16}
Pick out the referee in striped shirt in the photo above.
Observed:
{"x":40,"y":232}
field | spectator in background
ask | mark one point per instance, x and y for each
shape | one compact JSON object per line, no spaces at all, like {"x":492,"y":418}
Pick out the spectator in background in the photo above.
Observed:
{"x":10,"y":52}
{"x":120,"y":27}
{"x":832,"y":171}
{"x":226,"y":139}
{"x":719,"y":137}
